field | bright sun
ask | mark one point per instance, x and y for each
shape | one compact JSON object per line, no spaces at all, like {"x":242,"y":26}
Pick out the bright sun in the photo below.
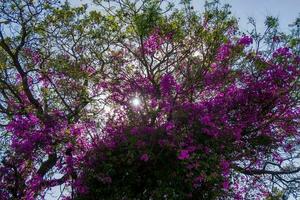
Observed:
{"x":136,"y":101}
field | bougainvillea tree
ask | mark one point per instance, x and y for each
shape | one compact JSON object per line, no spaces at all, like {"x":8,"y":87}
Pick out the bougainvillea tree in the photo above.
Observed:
{"x":145,"y":100}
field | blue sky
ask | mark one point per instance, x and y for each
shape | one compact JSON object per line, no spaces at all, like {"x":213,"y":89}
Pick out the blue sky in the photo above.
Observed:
{"x":286,"y":10}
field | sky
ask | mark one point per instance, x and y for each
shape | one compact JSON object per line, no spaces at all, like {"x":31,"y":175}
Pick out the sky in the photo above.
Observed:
{"x":286,"y":10}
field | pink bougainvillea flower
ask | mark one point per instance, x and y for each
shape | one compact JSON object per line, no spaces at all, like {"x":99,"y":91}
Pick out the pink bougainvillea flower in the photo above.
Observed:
{"x":183,"y":155}
{"x":144,"y":157}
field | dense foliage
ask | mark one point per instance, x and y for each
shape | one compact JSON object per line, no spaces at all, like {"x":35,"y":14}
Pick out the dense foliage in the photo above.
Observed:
{"x":146,"y":100}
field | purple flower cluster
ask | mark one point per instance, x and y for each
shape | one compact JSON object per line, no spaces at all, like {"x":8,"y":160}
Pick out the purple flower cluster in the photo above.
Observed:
{"x":152,"y":44}
{"x":245,"y":40}
{"x":282,"y":52}
{"x":224,"y":52}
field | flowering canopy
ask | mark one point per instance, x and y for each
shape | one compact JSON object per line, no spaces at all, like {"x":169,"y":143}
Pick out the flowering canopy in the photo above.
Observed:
{"x":145,"y":101}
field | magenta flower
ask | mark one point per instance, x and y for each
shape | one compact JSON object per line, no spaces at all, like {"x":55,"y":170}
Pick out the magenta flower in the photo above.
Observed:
{"x":245,"y":40}
{"x":226,"y":185}
{"x":167,"y":83}
{"x":225,"y":167}
{"x":183,"y":155}
{"x":169,"y":127}
{"x":223,"y":52}
{"x":152,"y":44}
{"x":144,"y":157}
{"x":282,"y":51}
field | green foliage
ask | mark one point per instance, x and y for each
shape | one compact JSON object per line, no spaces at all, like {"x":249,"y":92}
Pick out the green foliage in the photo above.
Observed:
{"x":276,"y":195}
{"x":120,"y":172}
{"x":271,"y":22}
{"x":148,"y":19}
